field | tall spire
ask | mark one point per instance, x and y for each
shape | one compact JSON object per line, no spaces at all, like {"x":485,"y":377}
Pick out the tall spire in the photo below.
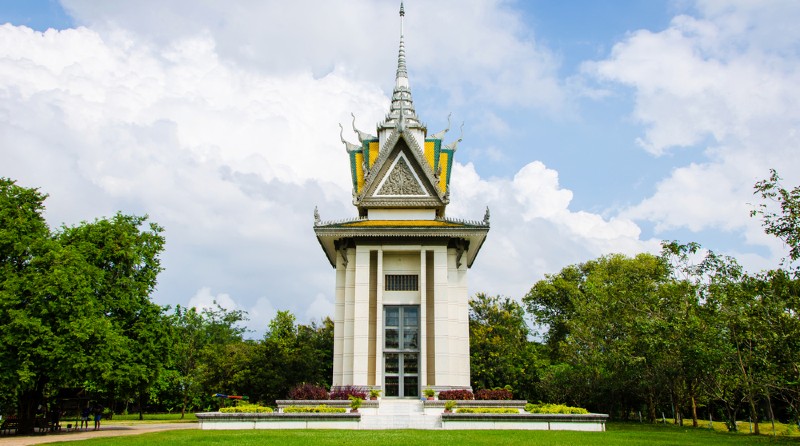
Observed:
{"x":402,"y":107}
{"x":402,"y":73}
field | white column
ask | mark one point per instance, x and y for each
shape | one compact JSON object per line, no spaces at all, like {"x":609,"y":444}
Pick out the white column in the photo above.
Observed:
{"x":338,"y":321}
{"x":423,"y":326}
{"x":441,"y":311}
{"x":458,"y":321}
{"x":349,"y":293}
{"x":361,"y":317}
{"x":379,"y":323}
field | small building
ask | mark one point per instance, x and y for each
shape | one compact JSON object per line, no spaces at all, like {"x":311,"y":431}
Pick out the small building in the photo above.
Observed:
{"x":401,"y":303}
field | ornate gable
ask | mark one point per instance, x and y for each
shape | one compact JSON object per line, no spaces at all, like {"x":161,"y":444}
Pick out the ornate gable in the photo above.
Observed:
{"x":400,"y":178}
{"x":401,"y":181}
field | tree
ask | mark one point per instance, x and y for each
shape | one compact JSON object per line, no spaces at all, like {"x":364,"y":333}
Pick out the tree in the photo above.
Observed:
{"x":71,"y":301}
{"x":199,"y":337}
{"x":500,"y":352}
{"x":783,"y":223}
{"x":124,"y":262}
{"x":290,"y":354}
{"x":620,"y":329}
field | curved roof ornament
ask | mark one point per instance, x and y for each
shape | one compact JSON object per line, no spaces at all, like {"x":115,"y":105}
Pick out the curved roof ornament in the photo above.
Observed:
{"x":454,"y":145}
{"x":440,"y":135}
{"x":350,"y":147}
{"x":362,"y":136}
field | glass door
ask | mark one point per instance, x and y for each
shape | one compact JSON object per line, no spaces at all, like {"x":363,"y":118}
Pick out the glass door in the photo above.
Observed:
{"x":401,"y":351}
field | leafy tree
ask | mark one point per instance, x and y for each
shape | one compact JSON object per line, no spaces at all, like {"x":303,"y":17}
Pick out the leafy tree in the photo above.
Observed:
{"x":500,"y":352}
{"x":199,"y":337}
{"x":783,"y":223}
{"x":71,"y":301}
{"x":290,"y":354}
{"x":124,"y":261}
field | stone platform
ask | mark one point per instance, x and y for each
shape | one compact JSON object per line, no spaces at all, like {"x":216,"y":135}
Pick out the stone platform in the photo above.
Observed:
{"x":404,"y":414}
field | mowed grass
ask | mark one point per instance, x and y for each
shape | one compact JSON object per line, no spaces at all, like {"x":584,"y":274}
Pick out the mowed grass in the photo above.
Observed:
{"x":617,"y":434}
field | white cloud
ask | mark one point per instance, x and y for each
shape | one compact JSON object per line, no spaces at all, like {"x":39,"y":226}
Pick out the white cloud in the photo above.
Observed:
{"x":725,"y":81}
{"x":498,"y":61}
{"x":320,"y":308}
{"x":220,"y":122}
{"x":533,"y":231}
{"x":204,"y":300}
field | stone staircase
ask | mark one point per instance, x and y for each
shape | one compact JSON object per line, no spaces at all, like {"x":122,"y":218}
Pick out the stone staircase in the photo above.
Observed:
{"x":400,"y":414}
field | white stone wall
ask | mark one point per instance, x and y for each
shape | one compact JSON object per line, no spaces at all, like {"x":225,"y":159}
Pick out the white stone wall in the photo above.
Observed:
{"x":352,"y":336}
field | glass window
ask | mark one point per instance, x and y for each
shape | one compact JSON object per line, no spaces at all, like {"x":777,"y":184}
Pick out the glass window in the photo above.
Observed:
{"x":392,"y":386}
{"x":392,"y":363}
{"x":410,"y":317}
{"x":410,"y":363}
{"x":410,"y":386}
{"x":411,"y":338}
{"x":392,"y":316}
{"x":392,"y":338}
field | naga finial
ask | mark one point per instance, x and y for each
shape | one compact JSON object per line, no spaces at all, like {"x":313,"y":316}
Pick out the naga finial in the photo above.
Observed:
{"x":350,"y":147}
{"x":316,"y":216}
{"x":440,"y":135}
{"x":454,"y":145}
{"x":486,"y":216}
{"x":362,"y":136}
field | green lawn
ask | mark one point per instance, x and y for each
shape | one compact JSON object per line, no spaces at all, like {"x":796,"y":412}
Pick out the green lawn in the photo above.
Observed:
{"x":617,"y":434}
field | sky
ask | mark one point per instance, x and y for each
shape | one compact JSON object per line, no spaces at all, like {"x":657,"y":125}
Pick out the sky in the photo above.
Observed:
{"x":591,"y":127}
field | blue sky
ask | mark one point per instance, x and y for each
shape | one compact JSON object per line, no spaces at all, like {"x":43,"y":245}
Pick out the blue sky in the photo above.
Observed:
{"x":591,"y":127}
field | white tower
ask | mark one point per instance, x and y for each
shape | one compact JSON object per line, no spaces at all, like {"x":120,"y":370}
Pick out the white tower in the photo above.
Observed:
{"x":401,"y":317}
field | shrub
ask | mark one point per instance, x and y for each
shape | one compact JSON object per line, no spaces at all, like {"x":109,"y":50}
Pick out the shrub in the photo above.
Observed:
{"x":314,"y":409}
{"x":487,"y":410}
{"x":345,"y":392}
{"x":554,"y":408}
{"x":456,"y":394}
{"x":307,"y":391}
{"x":494,"y":394}
{"x":246,"y":408}
{"x":449,"y":405}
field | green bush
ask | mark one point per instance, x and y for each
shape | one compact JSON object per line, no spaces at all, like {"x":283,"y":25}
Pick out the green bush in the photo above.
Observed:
{"x":554,"y":408}
{"x":314,"y":409}
{"x":246,"y":408}
{"x":487,"y":410}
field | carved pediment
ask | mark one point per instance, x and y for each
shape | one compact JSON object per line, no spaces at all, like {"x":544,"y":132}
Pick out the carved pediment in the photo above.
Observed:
{"x":401,"y":178}
{"x":401,"y":181}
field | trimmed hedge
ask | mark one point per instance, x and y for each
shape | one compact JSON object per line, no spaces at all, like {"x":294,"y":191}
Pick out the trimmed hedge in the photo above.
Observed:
{"x":494,"y":394}
{"x":246,"y":408}
{"x":345,"y":392}
{"x":487,"y":410}
{"x":554,"y":408}
{"x":456,"y":394}
{"x":314,"y":409}
{"x":307,"y":391}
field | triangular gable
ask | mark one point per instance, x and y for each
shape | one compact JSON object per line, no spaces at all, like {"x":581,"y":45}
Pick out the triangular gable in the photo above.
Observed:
{"x":421,"y":187}
{"x":401,"y":180}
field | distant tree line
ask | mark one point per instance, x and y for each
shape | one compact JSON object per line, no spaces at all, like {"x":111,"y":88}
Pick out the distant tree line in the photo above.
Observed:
{"x":686,"y":333}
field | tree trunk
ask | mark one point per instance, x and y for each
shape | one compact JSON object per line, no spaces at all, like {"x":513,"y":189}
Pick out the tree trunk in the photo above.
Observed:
{"x":141,"y":406}
{"x":694,"y":412}
{"x":28,"y":405}
{"x":753,"y":415}
{"x":185,"y":401}
{"x":651,"y":406}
